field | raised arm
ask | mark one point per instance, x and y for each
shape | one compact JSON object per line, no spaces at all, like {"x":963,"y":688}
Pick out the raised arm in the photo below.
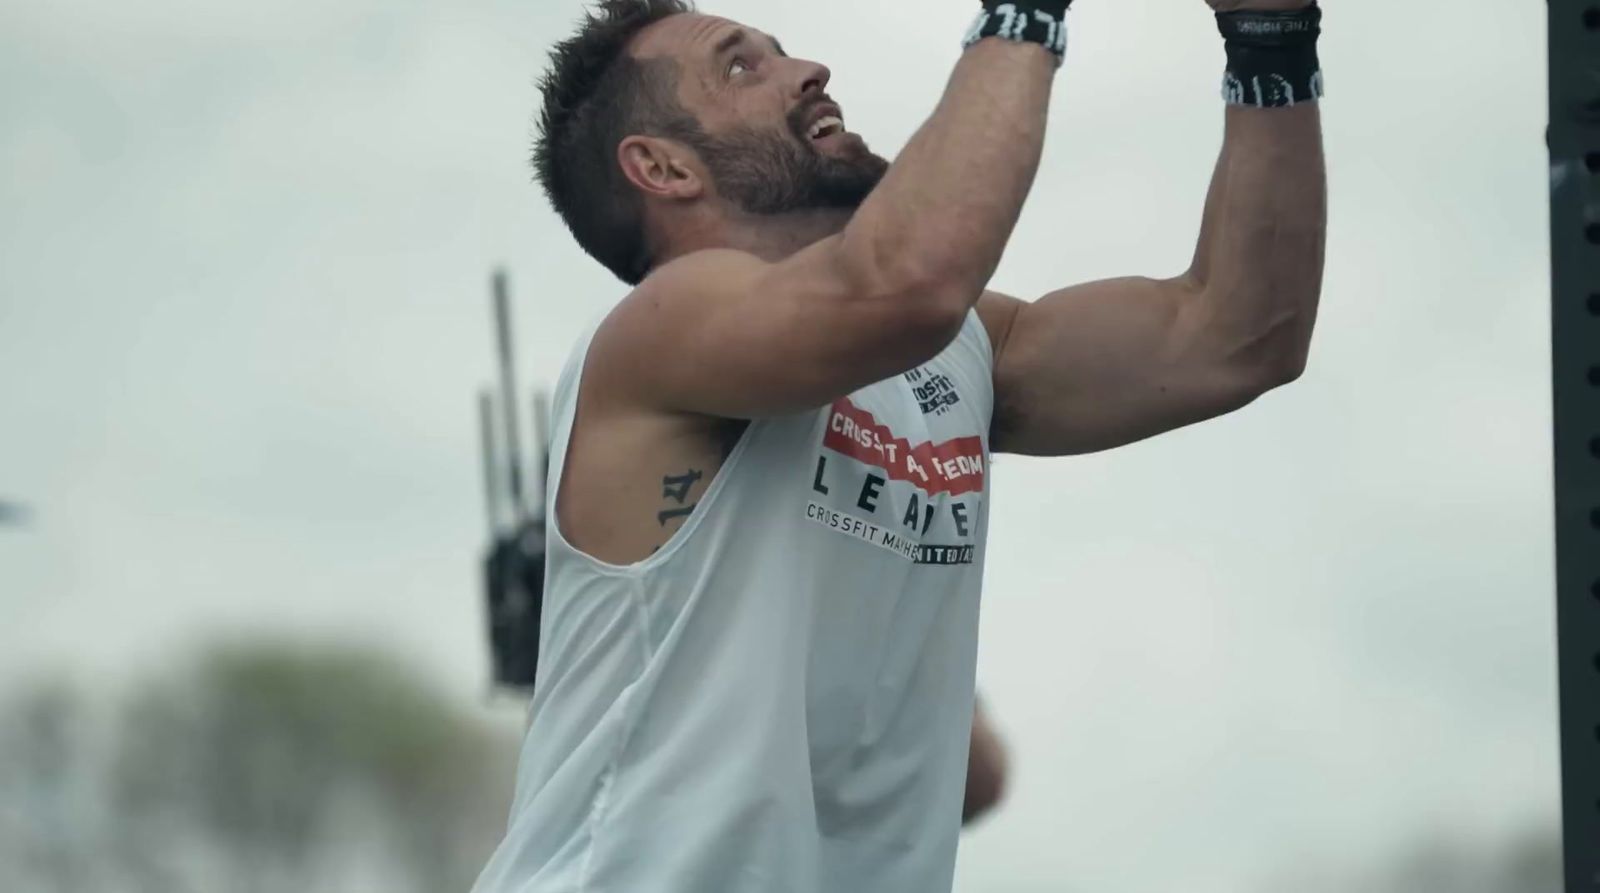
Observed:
{"x":726,"y":333}
{"x":1099,"y":365}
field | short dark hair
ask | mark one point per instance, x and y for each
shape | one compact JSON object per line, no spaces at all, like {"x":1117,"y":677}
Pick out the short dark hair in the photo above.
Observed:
{"x":596,"y":95}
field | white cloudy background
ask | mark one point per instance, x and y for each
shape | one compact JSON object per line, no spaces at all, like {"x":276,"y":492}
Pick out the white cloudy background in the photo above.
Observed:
{"x":244,"y":254}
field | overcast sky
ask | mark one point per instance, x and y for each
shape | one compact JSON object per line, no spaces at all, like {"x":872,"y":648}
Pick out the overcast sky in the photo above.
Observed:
{"x":244,"y":257}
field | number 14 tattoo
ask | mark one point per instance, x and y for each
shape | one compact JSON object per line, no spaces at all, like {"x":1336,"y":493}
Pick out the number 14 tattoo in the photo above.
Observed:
{"x":675,"y":488}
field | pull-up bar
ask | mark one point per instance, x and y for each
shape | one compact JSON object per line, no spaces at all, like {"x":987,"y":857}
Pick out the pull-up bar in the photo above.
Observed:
{"x":1575,"y":317}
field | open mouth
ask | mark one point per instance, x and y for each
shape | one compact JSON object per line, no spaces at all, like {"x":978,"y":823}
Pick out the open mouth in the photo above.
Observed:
{"x":826,"y":126}
{"x":827,"y":120}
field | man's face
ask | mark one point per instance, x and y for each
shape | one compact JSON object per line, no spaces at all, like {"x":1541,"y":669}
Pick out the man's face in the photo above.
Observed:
{"x":771,"y":138}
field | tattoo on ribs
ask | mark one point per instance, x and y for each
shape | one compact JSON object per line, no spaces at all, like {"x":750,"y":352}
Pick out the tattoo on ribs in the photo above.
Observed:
{"x":676,"y":489}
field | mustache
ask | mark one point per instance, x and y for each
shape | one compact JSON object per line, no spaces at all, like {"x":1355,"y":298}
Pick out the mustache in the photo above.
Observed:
{"x":802,"y":112}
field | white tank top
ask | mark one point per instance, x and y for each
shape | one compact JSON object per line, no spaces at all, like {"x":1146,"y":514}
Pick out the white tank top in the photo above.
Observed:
{"x":780,"y":698}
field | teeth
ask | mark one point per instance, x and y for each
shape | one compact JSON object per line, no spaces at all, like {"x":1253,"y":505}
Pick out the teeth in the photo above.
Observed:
{"x":827,"y":124}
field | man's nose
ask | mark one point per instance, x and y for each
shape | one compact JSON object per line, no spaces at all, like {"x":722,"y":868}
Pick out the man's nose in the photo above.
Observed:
{"x":811,"y":77}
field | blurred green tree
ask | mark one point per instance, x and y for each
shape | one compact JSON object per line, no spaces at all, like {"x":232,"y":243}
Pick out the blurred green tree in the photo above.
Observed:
{"x":258,"y":768}
{"x":44,"y":789}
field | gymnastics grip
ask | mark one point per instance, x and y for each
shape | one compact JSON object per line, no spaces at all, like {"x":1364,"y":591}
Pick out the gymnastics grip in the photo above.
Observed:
{"x":1026,"y":21}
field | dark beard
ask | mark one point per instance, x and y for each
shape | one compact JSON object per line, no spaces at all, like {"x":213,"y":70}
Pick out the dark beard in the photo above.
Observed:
{"x":778,"y":173}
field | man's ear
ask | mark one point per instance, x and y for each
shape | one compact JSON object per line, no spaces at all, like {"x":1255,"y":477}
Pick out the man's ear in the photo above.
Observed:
{"x":661,"y":168}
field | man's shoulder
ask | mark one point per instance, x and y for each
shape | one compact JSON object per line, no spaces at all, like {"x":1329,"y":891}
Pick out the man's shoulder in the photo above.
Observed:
{"x":697,"y":272}
{"x":684,"y":284}
{"x":667,"y":300}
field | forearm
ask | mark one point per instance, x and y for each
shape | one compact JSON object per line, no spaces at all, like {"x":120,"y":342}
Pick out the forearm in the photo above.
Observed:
{"x":1098,"y":365}
{"x":947,"y":206}
{"x":1258,"y":267}
{"x":986,"y":768}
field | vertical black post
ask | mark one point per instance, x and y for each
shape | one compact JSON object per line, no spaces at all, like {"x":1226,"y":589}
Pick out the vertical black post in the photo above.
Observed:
{"x":508,"y":394}
{"x":1575,"y":317}
{"x":491,"y":463}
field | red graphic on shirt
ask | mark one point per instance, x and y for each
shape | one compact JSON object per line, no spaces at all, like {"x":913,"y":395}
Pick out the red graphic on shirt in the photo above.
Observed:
{"x":954,"y":467}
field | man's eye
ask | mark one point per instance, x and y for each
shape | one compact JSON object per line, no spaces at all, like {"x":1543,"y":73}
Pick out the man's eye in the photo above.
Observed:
{"x":737,"y":66}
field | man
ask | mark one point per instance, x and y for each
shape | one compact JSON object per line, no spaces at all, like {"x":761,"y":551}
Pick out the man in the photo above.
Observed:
{"x":770,"y":460}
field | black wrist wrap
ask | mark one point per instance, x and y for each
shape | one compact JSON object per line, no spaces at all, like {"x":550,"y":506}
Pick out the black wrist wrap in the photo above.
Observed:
{"x":1034,"y":21}
{"x":1272,"y":57}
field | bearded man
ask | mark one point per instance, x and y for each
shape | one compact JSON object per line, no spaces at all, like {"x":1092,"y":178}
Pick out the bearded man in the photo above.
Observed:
{"x":770,"y":461}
